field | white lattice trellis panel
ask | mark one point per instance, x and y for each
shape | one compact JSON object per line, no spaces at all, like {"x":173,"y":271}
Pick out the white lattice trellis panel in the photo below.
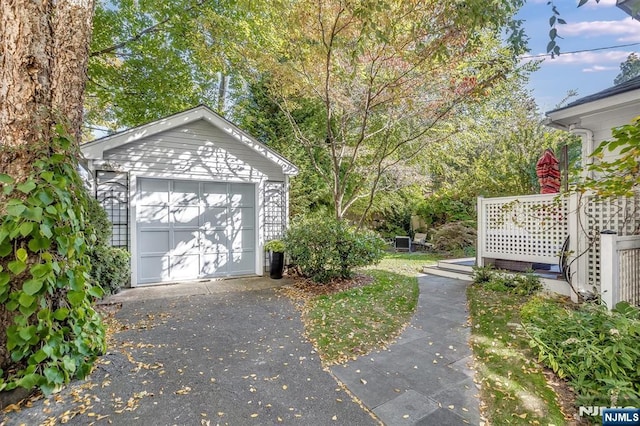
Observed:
{"x":530,"y":228}
{"x":621,"y":215}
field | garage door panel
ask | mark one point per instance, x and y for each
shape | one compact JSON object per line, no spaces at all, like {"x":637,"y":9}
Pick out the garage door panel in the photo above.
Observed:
{"x":215,"y":241}
{"x":241,"y":195}
{"x":185,"y":215}
{"x":214,"y":217}
{"x":214,"y":194}
{"x":153,"y":268}
{"x":185,"y":242}
{"x":154,"y":191}
{"x":185,"y":266}
{"x":242,"y":217}
{"x":240,"y":263}
{"x":154,"y":242}
{"x":153,"y":215}
{"x":185,"y":193}
{"x":243,"y":240}
{"x":215,"y":264}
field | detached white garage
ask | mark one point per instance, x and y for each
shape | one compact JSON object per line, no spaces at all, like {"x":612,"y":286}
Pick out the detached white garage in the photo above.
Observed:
{"x":191,"y":196}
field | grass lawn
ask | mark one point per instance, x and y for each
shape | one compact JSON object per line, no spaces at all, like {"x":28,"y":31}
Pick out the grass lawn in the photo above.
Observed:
{"x":514,"y":388}
{"x":350,"y":323}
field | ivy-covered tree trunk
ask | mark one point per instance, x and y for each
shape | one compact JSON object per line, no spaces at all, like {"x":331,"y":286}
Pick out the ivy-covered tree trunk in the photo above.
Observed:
{"x":43,"y":59}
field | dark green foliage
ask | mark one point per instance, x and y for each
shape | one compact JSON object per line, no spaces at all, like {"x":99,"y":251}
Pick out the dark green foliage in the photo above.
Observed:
{"x":483,"y":274}
{"x":323,"y":248}
{"x":454,"y":236}
{"x":109,"y":265}
{"x":277,"y":246}
{"x":437,"y":210}
{"x":520,"y":284}
{"x":596,"y":350}
{"x":53,"y":333}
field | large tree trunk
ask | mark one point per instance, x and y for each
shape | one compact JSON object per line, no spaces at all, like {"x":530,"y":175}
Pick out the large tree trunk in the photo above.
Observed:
{"x":43,"y":59}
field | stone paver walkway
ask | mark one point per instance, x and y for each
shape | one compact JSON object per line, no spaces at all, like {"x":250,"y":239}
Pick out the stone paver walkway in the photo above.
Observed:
{"x":424,"y":378}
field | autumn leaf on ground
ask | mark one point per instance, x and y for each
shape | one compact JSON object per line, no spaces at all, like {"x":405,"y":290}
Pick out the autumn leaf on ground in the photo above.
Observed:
{"x":184,"y":391}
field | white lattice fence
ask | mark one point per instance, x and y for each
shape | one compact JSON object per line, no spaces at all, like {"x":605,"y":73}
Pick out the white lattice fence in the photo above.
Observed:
{"x":529,"y":228}
{"x":621,"y":215}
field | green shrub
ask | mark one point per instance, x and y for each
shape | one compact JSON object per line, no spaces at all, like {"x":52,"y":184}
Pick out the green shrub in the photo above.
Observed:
{"x":277,"y":246}
{"x":595,"y":349}
{"x":483,"y":274}
{"x":521,"y":284}
{"x":110,"y":268}
{"x":454,"y":236}
{"x":109,"y":265}
{"x":324,"y":248}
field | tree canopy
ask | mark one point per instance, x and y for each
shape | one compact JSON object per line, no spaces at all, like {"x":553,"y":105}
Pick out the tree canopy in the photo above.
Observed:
{"x":380,"y":78}
{"x":628,"y":69}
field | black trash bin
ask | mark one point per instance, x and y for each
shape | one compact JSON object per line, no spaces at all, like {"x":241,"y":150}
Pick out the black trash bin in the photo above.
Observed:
{"x":276,"y":261}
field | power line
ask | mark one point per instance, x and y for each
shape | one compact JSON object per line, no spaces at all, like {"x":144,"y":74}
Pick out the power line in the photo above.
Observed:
{"x":543,"y":55}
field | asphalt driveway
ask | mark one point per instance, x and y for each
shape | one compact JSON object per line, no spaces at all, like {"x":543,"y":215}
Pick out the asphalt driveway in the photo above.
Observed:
{"x":228,"y":358}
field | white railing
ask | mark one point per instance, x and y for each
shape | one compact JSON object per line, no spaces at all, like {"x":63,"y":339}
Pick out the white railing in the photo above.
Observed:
{"x":530,"y":228}
{"x":619,"y":268}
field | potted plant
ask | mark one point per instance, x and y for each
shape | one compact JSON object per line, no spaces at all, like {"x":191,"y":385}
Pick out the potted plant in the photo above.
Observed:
{"x":276,"y":258}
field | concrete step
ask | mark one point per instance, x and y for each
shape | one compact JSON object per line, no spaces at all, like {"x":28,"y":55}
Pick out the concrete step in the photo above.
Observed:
{"x":442,"y":272}
{"x":459,"y":265}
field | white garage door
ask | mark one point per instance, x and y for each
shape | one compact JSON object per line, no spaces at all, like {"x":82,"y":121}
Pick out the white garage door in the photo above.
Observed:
{"x":188,"y":230}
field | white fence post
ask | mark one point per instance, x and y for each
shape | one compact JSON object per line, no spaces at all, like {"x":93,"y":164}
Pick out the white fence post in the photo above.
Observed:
{"x":481,"y":232}
{"x":609,"y":273}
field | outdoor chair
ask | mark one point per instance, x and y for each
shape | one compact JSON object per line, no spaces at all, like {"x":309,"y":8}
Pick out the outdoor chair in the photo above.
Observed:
{"x":420,"y":241}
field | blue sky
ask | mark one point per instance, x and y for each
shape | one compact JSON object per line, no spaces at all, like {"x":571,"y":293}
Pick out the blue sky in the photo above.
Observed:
{"x":591,"y":26}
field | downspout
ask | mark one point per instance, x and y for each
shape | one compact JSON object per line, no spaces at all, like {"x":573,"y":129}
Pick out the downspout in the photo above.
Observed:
{"x":587,"y":147}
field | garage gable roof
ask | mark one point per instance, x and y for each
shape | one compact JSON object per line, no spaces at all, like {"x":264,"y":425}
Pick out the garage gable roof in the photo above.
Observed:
{"x":95,"y":149}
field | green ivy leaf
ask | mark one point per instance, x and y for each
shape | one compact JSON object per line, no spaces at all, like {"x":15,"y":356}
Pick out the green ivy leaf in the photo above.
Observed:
{"x":29,"y":381}
{"x":17,"y":267}
{"x":33,"y":213}
{"x":40,"y":270}
{"x":45,"y":231}
{"x":61,"y":314}
{"x":32,"y":286}
{"x":6,"y":178}
{"x":8,"y":189}
{"x":95,"y":291}
{"x":27,"y":333}
{"x":54,"y":375}
{"x":4,"y":280}
{"x":27,"y":186}
{"x":26,"y":300}
{"x":69,"y":364}
{"x":47,"y":176}
{"x":21,"y":254}
{"x":45,"y":197}
{"x":39,"y":356}
{"x":26,"y":228}
{"x":15,"y":209}
{"x":75,"y":297}
{"x":5,"y":248}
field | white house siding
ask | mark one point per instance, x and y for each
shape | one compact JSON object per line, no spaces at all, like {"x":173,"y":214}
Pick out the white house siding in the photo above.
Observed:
{"x":197,"y":151}
{"x":601,"y":124}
